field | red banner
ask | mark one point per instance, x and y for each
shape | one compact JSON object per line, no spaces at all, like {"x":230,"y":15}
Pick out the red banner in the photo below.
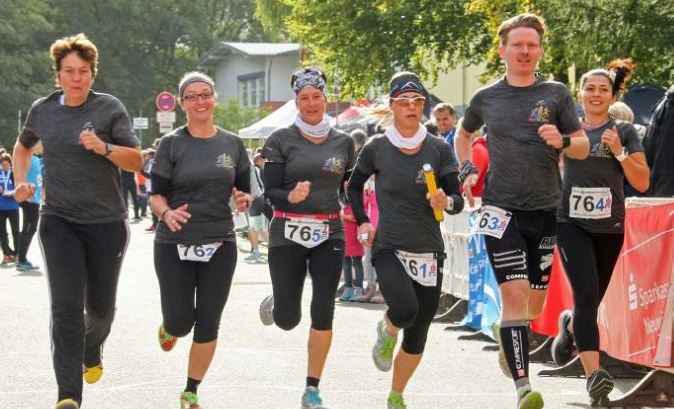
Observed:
{"x":635,"y":317}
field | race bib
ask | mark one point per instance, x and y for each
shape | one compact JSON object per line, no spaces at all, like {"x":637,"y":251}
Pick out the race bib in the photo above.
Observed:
{"x":590,"y":202}
{"x":421,"y":267}
{"x":492,"y":221}
{"x":197,"y":252}
{"x":307,"y":232}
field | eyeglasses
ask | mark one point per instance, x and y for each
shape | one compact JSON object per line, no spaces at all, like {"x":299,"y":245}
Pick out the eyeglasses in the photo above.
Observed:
{"x":203,"y":95}
{"x":418,"y":102}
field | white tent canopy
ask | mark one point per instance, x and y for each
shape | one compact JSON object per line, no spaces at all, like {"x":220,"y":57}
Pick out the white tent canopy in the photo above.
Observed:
{"x":282,"y":117}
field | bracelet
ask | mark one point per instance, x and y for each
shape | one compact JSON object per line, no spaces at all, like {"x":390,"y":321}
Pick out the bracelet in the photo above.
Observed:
{"x":164,"y":212}
{"x":467,"y":168}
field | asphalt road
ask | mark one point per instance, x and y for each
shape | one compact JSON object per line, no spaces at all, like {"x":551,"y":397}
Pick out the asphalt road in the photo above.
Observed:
{"x":255,"y":366}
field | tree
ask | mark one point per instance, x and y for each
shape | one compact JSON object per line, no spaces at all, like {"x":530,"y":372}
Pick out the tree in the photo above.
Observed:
{"x":365,"y":41}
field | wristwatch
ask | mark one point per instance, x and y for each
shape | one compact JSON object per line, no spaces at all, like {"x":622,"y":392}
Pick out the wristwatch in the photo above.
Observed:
{"x":450,"y":204}
{"x":623,"y":155}
{"x":566,"y":141}
{"x":108,"y":149}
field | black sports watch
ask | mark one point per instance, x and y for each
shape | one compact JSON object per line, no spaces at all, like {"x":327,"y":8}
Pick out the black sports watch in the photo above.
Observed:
{"x":566,"y":141}
{"x":108,"y":149}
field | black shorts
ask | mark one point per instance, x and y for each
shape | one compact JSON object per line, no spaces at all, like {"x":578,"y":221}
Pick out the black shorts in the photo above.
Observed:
{"x":524,"y":252}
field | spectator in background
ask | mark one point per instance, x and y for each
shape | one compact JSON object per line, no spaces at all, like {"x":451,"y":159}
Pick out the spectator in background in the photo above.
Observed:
{"x":257,"y":221}
{"x":359,"y":139}
{"x":480,"y":160}
{"x":446,"y":118}
{"x":30,"y":210}
{"x":659,"y":146}
{"x":148,"y":163}
{"x":9,"y":210}
{"x":622,"y":111}
{"x":130,"y":189}
{"x":432,"y":128}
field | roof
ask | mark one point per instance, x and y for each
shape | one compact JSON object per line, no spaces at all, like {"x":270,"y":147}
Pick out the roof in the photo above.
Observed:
{"x":224,"y":49}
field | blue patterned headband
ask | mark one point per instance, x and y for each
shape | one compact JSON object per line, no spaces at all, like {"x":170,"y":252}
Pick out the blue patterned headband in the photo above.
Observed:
{"x":308,"y":77}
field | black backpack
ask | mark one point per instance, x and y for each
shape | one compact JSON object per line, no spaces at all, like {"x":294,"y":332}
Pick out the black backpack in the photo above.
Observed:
{"x":659,"y":147}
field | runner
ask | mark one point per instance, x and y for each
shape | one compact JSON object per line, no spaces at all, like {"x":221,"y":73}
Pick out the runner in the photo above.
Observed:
{"x":198,"y":167}
{"x":530,"y":121}
{"x":86,"y":137}
{"x":408,"y":250}
{"x":306,"y":164}
{"x":591,"y":219}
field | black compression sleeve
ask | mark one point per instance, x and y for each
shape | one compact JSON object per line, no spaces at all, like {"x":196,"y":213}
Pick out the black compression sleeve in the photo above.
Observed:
{"x":161,"y":185}
{"x":356,"y":184}
{"x":273,"y":183}
{"x":242,"y":181}
{"x":450,"y":185}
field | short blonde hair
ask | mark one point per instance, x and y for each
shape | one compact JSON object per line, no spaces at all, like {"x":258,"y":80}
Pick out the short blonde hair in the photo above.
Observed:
{"x":620,"y":110}
{"x":528,"y":20}
{"x":79,"y":44}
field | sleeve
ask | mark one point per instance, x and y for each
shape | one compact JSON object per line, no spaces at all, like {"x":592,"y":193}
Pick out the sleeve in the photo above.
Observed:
{"x":27,"y":137}
{"x":355,"y":194}
{"x":272,"y":149}
{"x":242,"y":178}
{"x":629,"y":137}
{"x":365,"y":162}
{"x":273,"y":182}
{"x":568,"y":119}
{"x":450,"y":185}
{"x":472,"y":118}
{"x":448,"y":163}
{"x":122,"y":129}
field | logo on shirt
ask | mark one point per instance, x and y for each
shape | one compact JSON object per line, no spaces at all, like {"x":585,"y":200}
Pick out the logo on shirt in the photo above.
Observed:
{"x":600,"y":150}
{"x":548,"y":243}
{"x":540,"y":114}
{"x":334,"y":165}
{"x":420,"y":180}
{"x":224,"y":161}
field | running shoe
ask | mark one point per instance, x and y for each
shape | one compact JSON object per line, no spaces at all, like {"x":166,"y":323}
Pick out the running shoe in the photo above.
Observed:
{"x":189,"y":400}
{"x":502,"y":361}
{"x":529,"y":399}
{"x":92,"y":374}
{"x":26,"y":266}
{"x":396,"y":401}
{"x":382,"y":352}
{"x":563,"y":348}
{"x":599,"y":385}
{"x":267,"y":310}
{"x":347,"y":294}
{"x":311,"y":399}
{"x":166,"y":340}
{"x":252,"y":257}
{"x":67,"y":404}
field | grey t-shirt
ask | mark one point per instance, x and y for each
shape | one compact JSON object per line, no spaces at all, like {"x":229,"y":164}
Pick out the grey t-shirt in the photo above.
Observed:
{"x":406,"y":220}
{"x":80,"y":186}
{"x":202,"y":172}
{"x":600,"y":169}
{"x":323,"y":164}
{"x":523,"y":171}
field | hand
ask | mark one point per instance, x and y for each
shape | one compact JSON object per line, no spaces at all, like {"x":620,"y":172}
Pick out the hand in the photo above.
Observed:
{"x":175,"y":218}
{"x":551,"y":135}
{"x":242,"y":199}
{"x":24,"y":191}
{"x":91,"y":142}
{"x":438,"y":200}
{"x":366,"y":229}
{"x":300,"y":192}
{"x":468,"y":184}
{"x":611,"y":139}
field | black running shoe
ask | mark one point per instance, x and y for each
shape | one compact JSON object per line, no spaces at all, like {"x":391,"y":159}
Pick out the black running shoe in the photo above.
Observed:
{"x":599,"y":385}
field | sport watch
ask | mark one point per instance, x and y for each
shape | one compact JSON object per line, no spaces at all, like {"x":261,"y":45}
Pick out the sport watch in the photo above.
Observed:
{"x":108,"y":149}
{"x":623,"y":155}
{"x":566,"y":141}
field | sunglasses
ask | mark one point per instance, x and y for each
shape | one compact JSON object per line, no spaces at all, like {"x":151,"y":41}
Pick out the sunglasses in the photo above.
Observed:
{"x":418,"y":102}
{"x":204,"y":96}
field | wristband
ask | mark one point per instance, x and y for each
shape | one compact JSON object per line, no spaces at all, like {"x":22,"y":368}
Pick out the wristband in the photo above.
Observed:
{"x":164,"y":212}
{"x":467,"y":168}
{"x":623,"y":155}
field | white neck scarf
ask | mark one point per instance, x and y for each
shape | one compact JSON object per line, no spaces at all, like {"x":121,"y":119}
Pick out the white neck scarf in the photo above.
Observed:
{"x":319,"y":130}
{"x":402,"y":142}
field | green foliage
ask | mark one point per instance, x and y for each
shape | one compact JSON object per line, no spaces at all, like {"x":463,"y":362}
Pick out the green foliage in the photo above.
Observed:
{"x":233,"y":118}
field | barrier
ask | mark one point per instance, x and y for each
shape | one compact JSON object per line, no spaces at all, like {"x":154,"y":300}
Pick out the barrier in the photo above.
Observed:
{"x":455,"y":232}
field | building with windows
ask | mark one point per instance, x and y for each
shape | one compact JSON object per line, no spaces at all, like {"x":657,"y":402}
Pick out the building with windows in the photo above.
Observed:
{"x":252,"y":72}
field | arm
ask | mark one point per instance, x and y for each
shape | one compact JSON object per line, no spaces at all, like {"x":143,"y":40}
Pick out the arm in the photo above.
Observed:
{"x":464,"y":152}
{"x":273,"y":181}
{"x":450,"y":184}
{"x":637,"y":171}
{"x":578,"y":148}
{"x":23,"y":191}
{"x":355,"y":192}
{"x":124,"y":157}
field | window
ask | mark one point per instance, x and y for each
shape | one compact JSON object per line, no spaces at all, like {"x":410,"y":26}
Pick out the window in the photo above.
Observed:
{"x":251,"y":89}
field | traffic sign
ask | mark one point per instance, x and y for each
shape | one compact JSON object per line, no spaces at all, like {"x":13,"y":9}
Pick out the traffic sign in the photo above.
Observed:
{"x":163,"y":116}
{"x":140,"y":123}
{"x":165,"y":127}
{"x":166,"y":101}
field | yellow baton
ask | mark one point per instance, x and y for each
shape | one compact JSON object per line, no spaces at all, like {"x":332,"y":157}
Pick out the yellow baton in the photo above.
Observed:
{"x":432,"y":188}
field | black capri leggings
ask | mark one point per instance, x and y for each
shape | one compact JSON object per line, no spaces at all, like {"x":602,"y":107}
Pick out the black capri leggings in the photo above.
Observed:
{"x":288,"y":268}
{"x":589,"y":259}
{"x":411,"y":306}
{"x":194,"y":293}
